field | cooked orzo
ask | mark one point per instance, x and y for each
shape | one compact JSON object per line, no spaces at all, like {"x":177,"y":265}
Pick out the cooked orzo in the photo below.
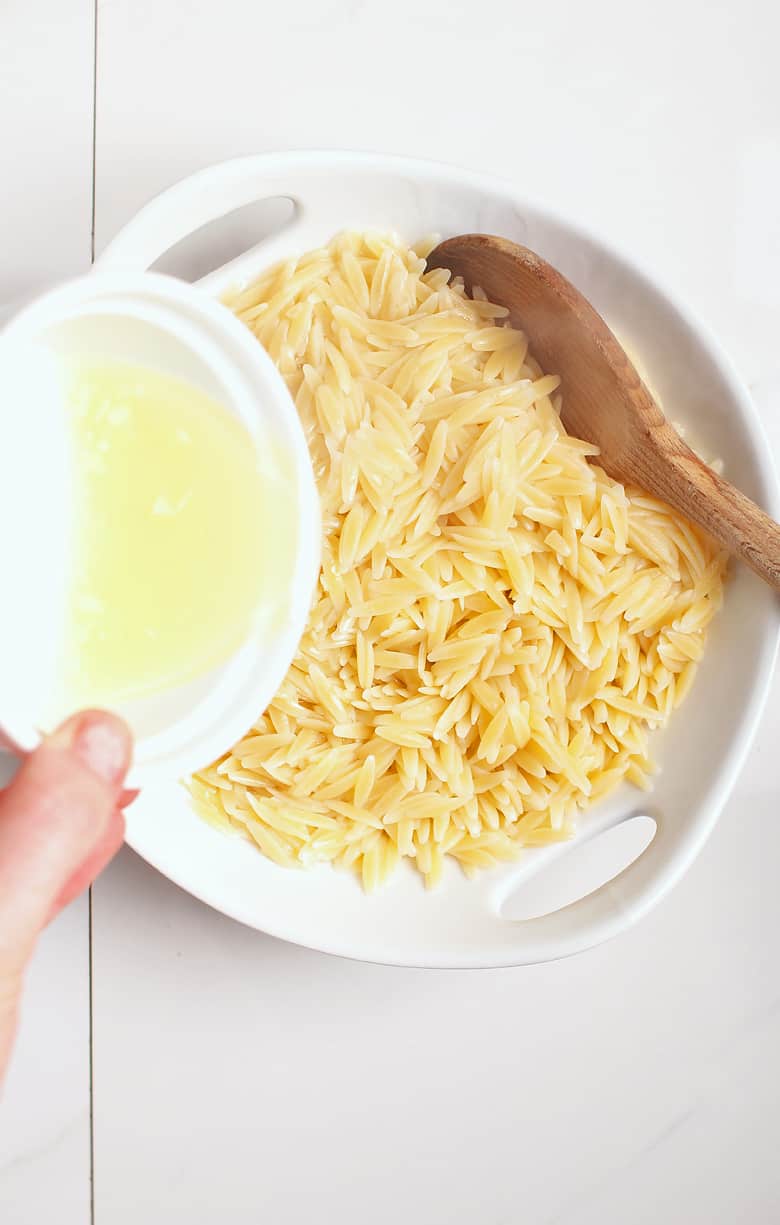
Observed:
{"x":498,"y":625}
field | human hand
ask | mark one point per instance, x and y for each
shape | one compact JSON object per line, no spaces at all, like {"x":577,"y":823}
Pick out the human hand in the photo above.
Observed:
{"x":61,"y":822}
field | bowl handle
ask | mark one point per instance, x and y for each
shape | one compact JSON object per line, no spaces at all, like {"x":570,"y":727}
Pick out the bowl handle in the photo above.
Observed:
{"x":195,"y":202}
{"x":602,"y":914}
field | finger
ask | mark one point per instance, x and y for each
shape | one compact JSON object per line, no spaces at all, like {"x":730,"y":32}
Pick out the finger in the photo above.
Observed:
{"x":100,"y":856}
{"x":8,"y":743}
{"x":104,"y":851}
{"x":54,"y":813}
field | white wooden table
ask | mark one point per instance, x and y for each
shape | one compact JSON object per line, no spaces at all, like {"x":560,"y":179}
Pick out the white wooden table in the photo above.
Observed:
{"x":174,"y":1067}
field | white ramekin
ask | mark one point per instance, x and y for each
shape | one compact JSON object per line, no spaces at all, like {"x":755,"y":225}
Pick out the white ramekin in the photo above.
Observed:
{"x":155,"y":321}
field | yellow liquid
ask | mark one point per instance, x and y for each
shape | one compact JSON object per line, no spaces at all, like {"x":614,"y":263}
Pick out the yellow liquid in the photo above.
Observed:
{"x":183,"y":543}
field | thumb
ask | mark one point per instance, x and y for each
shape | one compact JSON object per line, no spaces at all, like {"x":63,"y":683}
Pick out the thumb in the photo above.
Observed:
{"x":56,"y":812}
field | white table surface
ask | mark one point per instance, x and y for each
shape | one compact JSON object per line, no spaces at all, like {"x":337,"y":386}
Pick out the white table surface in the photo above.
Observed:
{"x":188,"y":1071}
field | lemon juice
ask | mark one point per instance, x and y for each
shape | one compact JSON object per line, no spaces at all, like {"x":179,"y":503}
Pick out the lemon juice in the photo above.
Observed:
{"x":183,"y":533}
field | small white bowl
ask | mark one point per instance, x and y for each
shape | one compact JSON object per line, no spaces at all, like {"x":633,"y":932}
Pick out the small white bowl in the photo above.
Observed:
{"x":465,"y":923}
{"x":158,"y":322}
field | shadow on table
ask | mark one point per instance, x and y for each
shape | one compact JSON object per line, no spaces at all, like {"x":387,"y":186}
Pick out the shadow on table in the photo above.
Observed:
{"x":131,"y":890}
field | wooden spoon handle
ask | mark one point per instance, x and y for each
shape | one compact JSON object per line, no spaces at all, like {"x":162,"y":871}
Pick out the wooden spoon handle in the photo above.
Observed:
{"x":726,"y":514}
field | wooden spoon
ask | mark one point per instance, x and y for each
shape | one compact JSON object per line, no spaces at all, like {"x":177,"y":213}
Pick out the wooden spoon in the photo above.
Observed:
{"x":604,"y":400}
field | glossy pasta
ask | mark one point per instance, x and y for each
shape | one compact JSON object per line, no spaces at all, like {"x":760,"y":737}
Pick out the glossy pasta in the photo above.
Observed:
{"x":498,"y":625}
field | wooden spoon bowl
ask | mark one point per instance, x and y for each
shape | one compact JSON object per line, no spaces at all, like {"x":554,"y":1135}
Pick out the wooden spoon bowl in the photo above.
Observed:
{"x":605,"y":401}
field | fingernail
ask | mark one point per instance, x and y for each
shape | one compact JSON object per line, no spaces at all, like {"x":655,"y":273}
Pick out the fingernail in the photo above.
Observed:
{"x":102,"y":744}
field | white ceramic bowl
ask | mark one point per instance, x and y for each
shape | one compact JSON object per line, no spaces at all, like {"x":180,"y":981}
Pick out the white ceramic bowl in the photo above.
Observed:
{"x":462,"y":924}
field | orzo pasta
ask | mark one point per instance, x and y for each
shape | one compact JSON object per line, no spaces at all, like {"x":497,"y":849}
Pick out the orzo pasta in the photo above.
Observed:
{"x":498,"y":625}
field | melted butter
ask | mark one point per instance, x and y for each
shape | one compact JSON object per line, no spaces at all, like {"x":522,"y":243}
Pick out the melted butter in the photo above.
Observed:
{"x":183,"y":542}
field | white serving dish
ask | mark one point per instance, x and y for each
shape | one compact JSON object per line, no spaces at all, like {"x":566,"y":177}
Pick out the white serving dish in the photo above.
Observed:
{"x":461,"y":924}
